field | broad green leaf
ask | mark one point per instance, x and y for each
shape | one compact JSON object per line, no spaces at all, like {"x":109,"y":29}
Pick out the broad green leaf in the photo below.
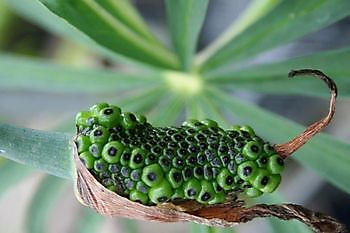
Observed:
{"x":278,"y":225}
{"x":18,"y":73}
{"x":269,"y":78}
{"x":89,"y":221}
{"x":47,"y":151}
{"x":92,"y":19}
{"x":42,"y":204}
{"x":12,"y":173}
{"x":255,"y":10}
{"x":126,"y":13}
{"x":325,"y":154}
{"x":288,"y":21}
{"x":185,"y":20}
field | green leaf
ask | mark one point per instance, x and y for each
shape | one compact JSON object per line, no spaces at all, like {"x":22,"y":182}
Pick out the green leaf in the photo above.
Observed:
{"x":288,"y":21}
{"x":42,"y":204}
{"x":17,"y":73}
{"x":278,"y":225}
{"x":255,"y":10}
{"x":47,"y":151}
{"x":168,"y":111}
{"x":185,"y":20}
{"x":89,"y":221}
{"x":126,"y":13}
{"x":92,"y":19}
{"x":12,"y":173}
{"x":268,"y":78}
{"x":324,"y":154}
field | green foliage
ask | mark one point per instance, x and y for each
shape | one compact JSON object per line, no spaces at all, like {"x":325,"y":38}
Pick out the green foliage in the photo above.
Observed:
{"x":166,"y":85}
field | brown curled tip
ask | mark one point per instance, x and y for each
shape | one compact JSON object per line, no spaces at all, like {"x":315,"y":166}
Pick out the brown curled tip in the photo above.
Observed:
{"x":288,"y":148}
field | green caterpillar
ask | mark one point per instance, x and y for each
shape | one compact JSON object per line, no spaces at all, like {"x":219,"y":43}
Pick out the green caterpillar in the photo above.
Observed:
{"x":196,"y":161}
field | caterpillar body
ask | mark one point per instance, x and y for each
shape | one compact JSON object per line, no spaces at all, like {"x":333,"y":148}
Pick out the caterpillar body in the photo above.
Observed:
{"x":196,"y":161}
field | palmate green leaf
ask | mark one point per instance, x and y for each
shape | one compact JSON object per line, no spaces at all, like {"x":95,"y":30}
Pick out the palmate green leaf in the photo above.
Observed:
{"x":288,"y":21}
{"x":12,"y":173}
{"x":185,"y":20}
{"x":91,"y":18}
{"x":42,"y":204}
{"x":255,"y":10}
{"x":278,"y":225}
{"x":18,"y":73}
{"x":88,"y":221}
{"x":47,"y":151}
{"x":267,"y":78}
{"x":38,"y":14}
{"x":324,"y":154}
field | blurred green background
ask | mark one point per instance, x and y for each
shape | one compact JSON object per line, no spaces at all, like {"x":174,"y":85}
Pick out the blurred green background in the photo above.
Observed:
{"x":49,"y":70}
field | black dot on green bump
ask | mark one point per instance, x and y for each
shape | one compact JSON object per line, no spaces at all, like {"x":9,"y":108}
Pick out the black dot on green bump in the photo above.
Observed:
{"x":108,"y":111}
{"x":264,"y":180}
{"x":191,"y":192}
{"x":206,"y":196}
{"x":247,"y":170}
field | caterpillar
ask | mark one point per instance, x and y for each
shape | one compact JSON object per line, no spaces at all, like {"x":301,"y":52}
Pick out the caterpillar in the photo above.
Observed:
{"x":196,"y":161}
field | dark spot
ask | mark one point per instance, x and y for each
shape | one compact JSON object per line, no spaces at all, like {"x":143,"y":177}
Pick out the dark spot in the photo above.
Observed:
{"x":264,"y":180}
{"x":223,"y":149}
{"x":126,"y":156}
{"x":247,"y":170}
{"x":206,"y":196}
{"x":198,"y":171}
{"x":156,"y":149}
{"x":108,"y":111}
{"x":202,"y":145}
{"x":245,"y":134}
{"x":215,"y":162}
{"x":200,"y":137}
{"x":152,"y":176}
{"x":177,"y":137}
{"x":172,"y":144}
{"x":280,"y":161}
{"x":182,"y":152}
{"x":229,"y":180}
{"x":214,"y":145}
{"x":233,"y":134}
{"x":209,"y":154}
{"x":162,"y":199}
{"x":98,"y":133}
{"x":162,"y":144}
{"x":254,"y":148}
{"x":187,"y":172}
{"x":129,"y":184}
{"x":208,"y":173}
{"x":231,"y":166}
{"x":191,"y":160}
{"x":247,"y":186}
{"x":189,"y":139}
{"x":114,"y":168}
{"x":132,"y":117}
{"x":170,"y":132}
{"x":152,"y":157}
{"x":192,"y":149}
{"x":191,"y":192}
{"x":100,"y":166}
{"x":112,"y":151}
{"x":206,"y":132}
{"x":263,"y":160}
{"x":169,"y":153}
{"x":179,"y":162}
{"x":218,"y":188}
{"x":213,"y":129}
{"x":200,"y":159}
{"x":177,"y":176}
{"x":142,"y":188}
{"x":197,"y":124}
{"x":125,"y":171}
{"x":138,"y":158}
{"x":183,"y":144}
{"x":190,"y":131}
{"x":239,"y":144}
{"x":146,"y":147}
{"x":225,"y":160}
